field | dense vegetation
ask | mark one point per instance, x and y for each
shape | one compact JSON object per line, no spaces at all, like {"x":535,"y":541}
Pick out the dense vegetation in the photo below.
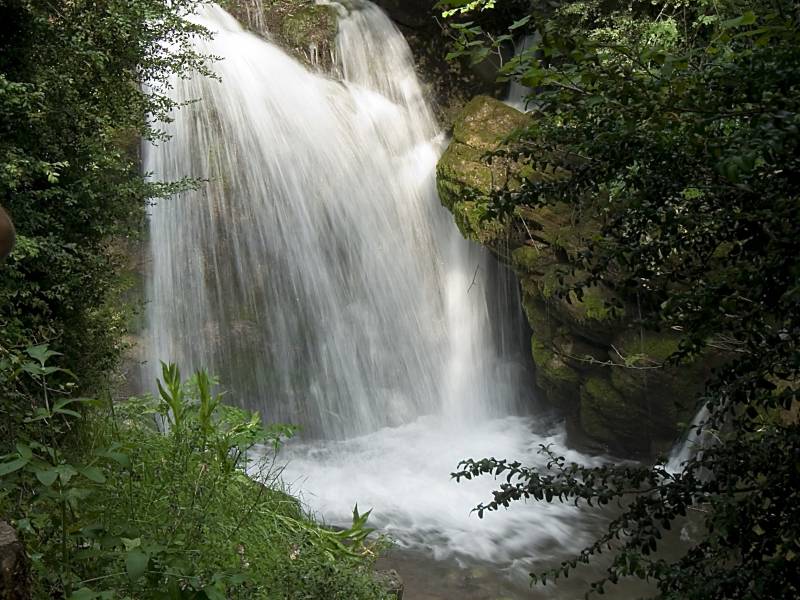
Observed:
{"x":128,"y":510}
{"x":675,"y":125}
{"x":72,"y":110}
{"x":107,"y":504}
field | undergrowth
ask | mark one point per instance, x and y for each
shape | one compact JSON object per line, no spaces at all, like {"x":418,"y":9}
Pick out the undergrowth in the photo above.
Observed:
{"x":170,"y":497}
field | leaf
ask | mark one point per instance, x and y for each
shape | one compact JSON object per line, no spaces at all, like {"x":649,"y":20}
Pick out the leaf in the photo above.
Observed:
{"x":13,"y":465}
{"x":747,"y":18}
{"x":67,"y":411}
{"x":82,"y":594}
{"x":24,"y":451}
{"x":517,"y":24}
{"x":130,"y":544}
{"x":136,"y":564}
{"x":40,"y":353}
{"x":119,"y":457}
{"x":66,"y":472}
{"x":59,"y":404}
{"x":213,"y":593}
{"x":93,"y":474}
{"x":47,"y":477}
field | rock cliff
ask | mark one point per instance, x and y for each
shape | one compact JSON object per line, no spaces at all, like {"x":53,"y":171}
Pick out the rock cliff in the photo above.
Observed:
{"x":607,"y":374}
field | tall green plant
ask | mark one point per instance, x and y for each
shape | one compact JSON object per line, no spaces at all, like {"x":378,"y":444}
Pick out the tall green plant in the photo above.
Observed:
{"x":134,"y":509}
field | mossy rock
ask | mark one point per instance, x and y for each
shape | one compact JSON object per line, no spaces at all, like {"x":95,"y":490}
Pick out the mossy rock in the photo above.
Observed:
{"x":558,"y":226}
{"x":307,"y":30}
{"x":646,"y":347}
{"x":596,"y":316}
{"x":579,"y":353}
{"x":485,"y":122}
{"x":551,"y":367}
{"x":465,"y":180}
{"x":609,"y":417}
{"x":471,"y":219}
{"x":312,"y":25}
{"x":537,"y":312}
{"x":533,"y":259}
{"x":667,"y":391}
{"x":463,"y":174}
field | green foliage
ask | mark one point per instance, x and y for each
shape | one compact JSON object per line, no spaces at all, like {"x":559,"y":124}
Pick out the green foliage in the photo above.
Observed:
{"x":80,"y":83}
{"x":130,"y":510}
{"x":678,"y":123}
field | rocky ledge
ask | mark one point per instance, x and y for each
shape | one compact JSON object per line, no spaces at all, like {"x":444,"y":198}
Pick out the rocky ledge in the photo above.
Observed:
{"x":307,"y":30}
{"x":607,"y":374}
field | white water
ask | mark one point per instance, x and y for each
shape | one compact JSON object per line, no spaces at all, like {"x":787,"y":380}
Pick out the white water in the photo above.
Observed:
{"x":318,"y":276}
{"x":518,"y":95}
{"x":696,"y":438}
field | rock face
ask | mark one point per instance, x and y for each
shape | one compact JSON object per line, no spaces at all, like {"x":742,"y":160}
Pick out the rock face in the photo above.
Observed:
{"x":606,"y":374}
{"x":409,"y":13}
{"x":305,"y":29}
{"x":14,"y":569}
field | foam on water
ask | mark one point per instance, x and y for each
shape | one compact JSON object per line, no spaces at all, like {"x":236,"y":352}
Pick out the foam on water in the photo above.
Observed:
{"x":403,"y":475}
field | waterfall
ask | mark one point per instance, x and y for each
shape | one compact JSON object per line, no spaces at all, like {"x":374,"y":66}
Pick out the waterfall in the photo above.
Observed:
{"x":317,"y":274}
{"x":517,"y":96}
{"x":696,"y":438}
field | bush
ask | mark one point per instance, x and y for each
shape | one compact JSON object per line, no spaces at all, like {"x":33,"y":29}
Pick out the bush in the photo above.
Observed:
{"x":132,"y":509}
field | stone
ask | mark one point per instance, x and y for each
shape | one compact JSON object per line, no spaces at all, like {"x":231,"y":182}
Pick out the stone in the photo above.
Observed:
{"x":610,"y":418}
{"x":15,"y":583}
{"x":410,"y":13}
{"x":465,"y":180}
{"x":307,"y":30}
{"x":8,"y":235}
{"x":391,"y":581}
{"x":310,"y":26}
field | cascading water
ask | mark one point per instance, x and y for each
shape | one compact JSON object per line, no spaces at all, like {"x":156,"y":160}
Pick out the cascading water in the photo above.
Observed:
{"x":696,"y":438}
{"x":518,"y":94}
{"x":316,"y":273}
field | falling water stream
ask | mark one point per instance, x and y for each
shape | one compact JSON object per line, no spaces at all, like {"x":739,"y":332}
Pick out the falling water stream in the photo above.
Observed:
{"x":317,"y":274}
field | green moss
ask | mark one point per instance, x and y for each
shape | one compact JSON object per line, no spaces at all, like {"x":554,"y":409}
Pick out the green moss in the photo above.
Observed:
{"x":485,"y":122}
{"x":595,"y":304}
{"x":608,"y":417}
{"x":471,"y":218}
{"x":465,"y":174}
{"x":647,"y":347}
{"x":577,"y":351}
{"x":310,"y":25}
{"x":535,"y":260}
{"x":536,"y":312}
{"x":557,"y":226}
{"x":551,"y":366}
{"x":604,"y":395}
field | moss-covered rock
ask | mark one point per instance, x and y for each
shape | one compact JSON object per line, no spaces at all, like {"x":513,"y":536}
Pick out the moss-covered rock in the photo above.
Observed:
{"x":485,"y":122}
{"x":307,"y":30}
{"x":463,"y":174}
{"x":551,"y":365}
{"x":310,"y":28}
{"x":608,"y":377}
